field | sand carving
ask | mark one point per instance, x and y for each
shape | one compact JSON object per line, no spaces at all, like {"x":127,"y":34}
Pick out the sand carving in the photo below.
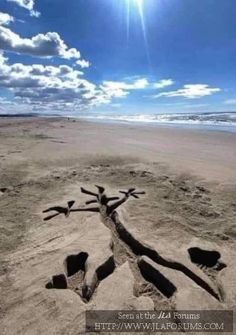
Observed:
{"x":142,"y":255}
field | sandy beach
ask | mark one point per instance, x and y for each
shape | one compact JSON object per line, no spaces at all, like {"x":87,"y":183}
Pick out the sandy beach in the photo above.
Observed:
{"x":189,"y":205}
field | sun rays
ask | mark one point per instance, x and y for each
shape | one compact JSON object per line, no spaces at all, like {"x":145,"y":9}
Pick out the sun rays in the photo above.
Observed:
{"x":138,"y":6}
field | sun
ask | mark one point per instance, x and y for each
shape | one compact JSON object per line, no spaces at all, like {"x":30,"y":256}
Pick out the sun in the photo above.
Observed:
{"x":139,"y":3}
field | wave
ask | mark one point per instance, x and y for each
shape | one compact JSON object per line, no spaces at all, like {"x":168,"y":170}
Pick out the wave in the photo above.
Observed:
{"x":226,"y":118}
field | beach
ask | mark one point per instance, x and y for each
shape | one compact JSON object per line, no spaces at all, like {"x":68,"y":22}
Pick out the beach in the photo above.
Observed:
{"x":189,"y":180}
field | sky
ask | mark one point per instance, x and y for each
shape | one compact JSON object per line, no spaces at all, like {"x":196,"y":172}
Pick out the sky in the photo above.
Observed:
{"x":117,"y":56}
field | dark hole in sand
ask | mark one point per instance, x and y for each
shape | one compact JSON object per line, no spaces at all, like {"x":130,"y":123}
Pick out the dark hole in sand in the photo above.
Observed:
{"x":75,"y":263}
{"x":153,"y":276}
{"x":58,"y":282}
{"x":102,"y":272}
{"x":140,"y":249}
{"x":49,"y":285}
{"x":106,"y":268}
{"x":209,"y":258}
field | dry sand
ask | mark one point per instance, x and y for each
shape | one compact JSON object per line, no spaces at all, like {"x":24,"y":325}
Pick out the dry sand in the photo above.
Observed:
{"x":190,"y":182}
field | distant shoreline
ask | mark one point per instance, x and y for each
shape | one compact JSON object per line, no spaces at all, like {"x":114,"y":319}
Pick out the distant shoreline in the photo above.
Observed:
{"x":195,"y":127}
{"x":162,"y":125}
{"x":206,"y":121}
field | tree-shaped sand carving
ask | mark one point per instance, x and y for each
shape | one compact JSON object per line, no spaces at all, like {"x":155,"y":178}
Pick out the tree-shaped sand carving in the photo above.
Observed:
{"x":107,"y":207}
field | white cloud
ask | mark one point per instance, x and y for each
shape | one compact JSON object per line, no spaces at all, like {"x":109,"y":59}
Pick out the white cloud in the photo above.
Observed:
{"x":83,"y":63}
{"x":42,"y":45}
{"x":139,"y":84}
{"x":164,"y":83}
{"x":27,"y":4}
{"x":119,"y":89}
{"x":230,"y":102}
{"x":119,"y":85}
{"x":105,"y":93}
{"x":4,"y":101}
{"x":38,"y":84}
{"x":61,"y":88}
{"x":5,"y":19}
{"x":49,"y":44}
{"x":190,"y":91}
{"x":2,"y":59}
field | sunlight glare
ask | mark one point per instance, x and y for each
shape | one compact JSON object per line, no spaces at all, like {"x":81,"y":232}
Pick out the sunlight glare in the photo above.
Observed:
{"x":139,"y":3}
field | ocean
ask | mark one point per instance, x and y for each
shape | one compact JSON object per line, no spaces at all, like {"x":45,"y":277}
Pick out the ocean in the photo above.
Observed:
{"x":224,"y":121}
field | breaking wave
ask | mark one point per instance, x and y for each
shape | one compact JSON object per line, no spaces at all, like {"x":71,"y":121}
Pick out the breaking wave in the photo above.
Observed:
{"x":226,"y":118}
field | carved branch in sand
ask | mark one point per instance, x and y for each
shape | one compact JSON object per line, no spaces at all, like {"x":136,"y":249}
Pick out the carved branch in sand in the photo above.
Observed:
{"x":107,"y":206}
{"x":100,"y":198}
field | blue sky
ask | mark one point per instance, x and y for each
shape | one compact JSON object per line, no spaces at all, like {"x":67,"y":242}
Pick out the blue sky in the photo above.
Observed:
{"x":122,"y":56}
